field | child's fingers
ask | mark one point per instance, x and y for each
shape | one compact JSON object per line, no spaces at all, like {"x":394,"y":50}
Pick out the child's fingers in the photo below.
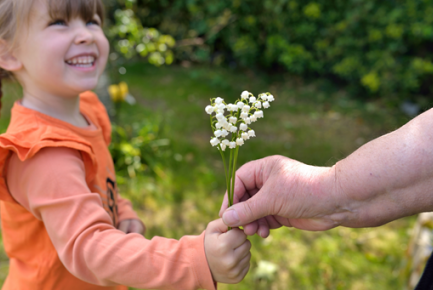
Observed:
{"x":245,"y":262}
{"x":235,"y":237}
{"x":136,"y":227}
{"x":243,"y":250}
{"x":124,"y":225}
{"x":238,"y":273}
{"x":245,"y":267}
{"x":216,"y":227}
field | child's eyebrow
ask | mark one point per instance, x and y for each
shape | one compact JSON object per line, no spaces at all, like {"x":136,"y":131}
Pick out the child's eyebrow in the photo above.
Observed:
{"x":35,"y":15}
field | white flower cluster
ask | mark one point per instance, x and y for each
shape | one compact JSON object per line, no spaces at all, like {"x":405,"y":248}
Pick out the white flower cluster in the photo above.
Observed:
{"x":235,"y":118}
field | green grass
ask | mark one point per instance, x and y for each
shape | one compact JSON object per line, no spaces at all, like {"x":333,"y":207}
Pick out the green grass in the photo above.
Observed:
{"x":308,"y":122}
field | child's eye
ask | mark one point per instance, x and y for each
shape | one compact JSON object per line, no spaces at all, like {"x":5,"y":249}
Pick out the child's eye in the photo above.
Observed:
{"x":93,"y":22}
{"x":58,"y":22}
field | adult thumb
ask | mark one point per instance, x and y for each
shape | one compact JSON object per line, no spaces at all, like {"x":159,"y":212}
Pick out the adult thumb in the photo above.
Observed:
{"x":243,"y":213}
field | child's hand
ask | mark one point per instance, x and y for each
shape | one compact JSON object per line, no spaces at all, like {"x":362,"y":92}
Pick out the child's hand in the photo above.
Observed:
{"x":227,"y":252}
{"x":132,"y":226}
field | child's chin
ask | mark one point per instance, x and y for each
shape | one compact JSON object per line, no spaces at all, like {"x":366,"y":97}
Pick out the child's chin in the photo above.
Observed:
{"x":86,"y":87}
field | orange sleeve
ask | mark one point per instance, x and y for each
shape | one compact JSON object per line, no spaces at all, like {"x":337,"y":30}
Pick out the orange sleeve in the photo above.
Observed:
{"x":52,"y":186}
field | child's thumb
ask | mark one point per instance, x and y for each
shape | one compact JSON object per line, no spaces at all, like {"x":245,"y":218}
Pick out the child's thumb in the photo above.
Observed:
{"x":216,"y":226}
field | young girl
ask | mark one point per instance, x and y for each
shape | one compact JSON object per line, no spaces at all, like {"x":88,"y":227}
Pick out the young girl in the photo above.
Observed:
{"x":64,"y":225}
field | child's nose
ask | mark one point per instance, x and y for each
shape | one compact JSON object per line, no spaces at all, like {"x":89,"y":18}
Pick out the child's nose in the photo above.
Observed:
{"x":84,"y":35}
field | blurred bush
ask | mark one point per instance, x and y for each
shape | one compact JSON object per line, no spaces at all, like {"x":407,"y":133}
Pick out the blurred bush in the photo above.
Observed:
{"x":139,"y":148}
{"x":129,"y":39}
{"x":373,"y":47}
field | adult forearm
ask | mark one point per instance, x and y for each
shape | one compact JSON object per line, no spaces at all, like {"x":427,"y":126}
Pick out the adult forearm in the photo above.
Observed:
{"x":389,"y":177}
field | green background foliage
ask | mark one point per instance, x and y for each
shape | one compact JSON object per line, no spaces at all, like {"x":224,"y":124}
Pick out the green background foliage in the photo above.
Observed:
{"x":374,"y":48}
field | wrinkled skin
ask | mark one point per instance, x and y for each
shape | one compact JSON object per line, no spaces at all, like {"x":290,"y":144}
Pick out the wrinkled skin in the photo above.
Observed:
{"x":386,"y":179}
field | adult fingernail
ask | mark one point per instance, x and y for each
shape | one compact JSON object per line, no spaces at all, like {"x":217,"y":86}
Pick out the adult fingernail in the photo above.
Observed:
{"x":230,"y":217}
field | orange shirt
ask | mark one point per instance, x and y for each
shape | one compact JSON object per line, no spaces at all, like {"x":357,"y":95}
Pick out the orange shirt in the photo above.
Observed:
{"x":59,"y":209}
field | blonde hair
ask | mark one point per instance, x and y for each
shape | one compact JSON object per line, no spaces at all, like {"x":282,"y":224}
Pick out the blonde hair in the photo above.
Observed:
{"x":14,"y":14}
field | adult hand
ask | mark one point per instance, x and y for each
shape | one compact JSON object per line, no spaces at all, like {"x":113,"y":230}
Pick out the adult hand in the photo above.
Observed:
{"x":277,"y":191}
{"x":386,"y":179}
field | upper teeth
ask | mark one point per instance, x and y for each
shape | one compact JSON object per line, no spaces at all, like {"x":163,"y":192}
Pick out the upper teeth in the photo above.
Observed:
{"x":81,"y":59}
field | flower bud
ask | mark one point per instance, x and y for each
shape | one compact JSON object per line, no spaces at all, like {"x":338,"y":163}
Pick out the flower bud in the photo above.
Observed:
{"x":221,"y":107}
{"x":245,"y":94}
{"x":218,"y":133}
{"x":227,"y":126}
{"x":258,"y":114}
{"x":219,"y":100}
{"x":240,"y":105}
{"x":209,"y":109}
{"x":214,"y":141}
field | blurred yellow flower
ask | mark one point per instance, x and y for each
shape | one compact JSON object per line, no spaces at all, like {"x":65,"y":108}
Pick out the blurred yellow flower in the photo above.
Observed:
{"x":118,"y":93}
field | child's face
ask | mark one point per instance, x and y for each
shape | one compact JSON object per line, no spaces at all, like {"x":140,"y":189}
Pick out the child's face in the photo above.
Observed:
{"x":61,"y":58}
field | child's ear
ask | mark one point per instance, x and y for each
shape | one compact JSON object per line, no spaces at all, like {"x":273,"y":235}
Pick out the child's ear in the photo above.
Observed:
{"x":7,"y":59}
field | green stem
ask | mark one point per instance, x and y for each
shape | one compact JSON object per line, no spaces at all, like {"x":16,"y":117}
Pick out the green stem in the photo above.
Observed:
{"x":225,"y":171}
{"x":233,"y":177}
{"x":230,"y":193}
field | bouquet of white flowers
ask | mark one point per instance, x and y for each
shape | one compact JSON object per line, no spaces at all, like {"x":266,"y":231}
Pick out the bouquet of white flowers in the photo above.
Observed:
{"x":235,"y":119}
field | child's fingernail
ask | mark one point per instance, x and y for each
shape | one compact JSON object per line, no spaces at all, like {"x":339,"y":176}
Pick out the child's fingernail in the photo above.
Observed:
{"x":230,"y":217}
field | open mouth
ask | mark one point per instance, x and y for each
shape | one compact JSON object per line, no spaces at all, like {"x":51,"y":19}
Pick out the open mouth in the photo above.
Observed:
{"x":81,"y":61}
